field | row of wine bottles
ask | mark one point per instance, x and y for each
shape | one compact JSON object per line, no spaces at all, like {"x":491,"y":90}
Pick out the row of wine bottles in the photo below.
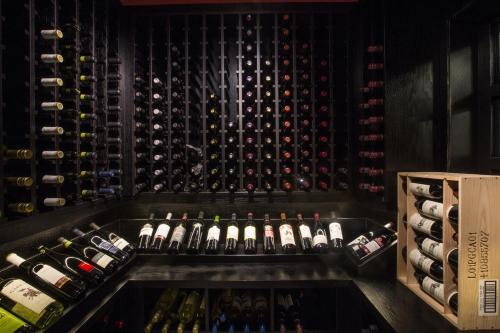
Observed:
{"x":428,"y":258}
{"x":371,"y":122}
{"x":63,"y":277}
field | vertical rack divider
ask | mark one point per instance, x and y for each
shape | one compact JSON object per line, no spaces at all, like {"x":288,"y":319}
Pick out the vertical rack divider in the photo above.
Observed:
{"x":272,"y":309}
{"x":150,"y":100}
{"x":312,"y":36}
{"x":186,"y":92}
{"x":240,"y":103}
{"x":2,"y":161}
{"x":169,"y":102}
{"x":259,"y":103}
{"x":104,"y":104}
{"x":294,"y":100}
{"x":204,"y":88}
{"x":410,"y":238}
{"x":94,"y":91}
{"x":32,"y":102}
{"x":57,"y":163}
{"x":77,"y":105}
{"x":330,"y":97}
{"x":223,"y":102}
{"x":133,"y":156}
{"x":207,"y":294}
{"x":448,"y":243}
{"x":401,"y":227}
{"x":276,"y":103}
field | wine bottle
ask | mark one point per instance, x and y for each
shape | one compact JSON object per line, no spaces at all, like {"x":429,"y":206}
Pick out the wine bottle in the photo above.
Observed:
{"x":145,"y":234}
{"x":57,"y":282}
{"x":426,"y":226}
{"x":426,"y":265}
{"x":430,"y":247}
{"x":200,"y":314}
{"x":305,"y":235}
{"x":453,"y":301}
{"x":453,"y":215}
{"x":194,"y":239}
{"x":178,"y":235}
{"x":102,"y":244}
{"x":29,"y":303}
{"x":173,"y":314}
{"x":75,"y":265}
{"x":368,"y":236}
{"x":320,"y":242}
{"x":250,"y":235}
{"x":161,"y":234}
{"x":429,"y":208}
{"x":213,"y":235}
{"x":188,"y":310}
{"x":431,"y":191}
{"x":363,"y":251}
{"x":452,"y":259}
{"x":164,"y":303}
{"x":106,"y":263}
{"x":286,"y":235}
{"x":114,"y":239}
{"x":269,"y":245}
{"x":431,"y":286}
{"x":232,"y":236}
{"x":336,"y":235}
{"x":11,"y":324}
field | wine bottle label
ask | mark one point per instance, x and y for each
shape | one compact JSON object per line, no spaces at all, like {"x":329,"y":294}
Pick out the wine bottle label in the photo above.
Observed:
{"x":162,"y":231}
{"x":250,"y":232}
{"x":232,"y":232}
{"x":146,"y":231}
{"x":433,"y":288}
{"x":305,"y":231}
{"x":9,"y":322}
{"x":102,"y":244}
{"x":178,"y":235}
{"x":433,"y":248}
{"x":433,"y":208}
{"x":421,"y":189}
{"x":373,"y":245}
{"x":27,"y":296}
{"x":421,"y":224}
{"x":52,"y":276}
{"x":286,"y":234}
{"x":213,"y":233}
{"x":102,"y":260}
{"x":420,"y":261}
{"x":122,"y":243}
{"x":85,"y":266}
{"x":335,"y":231}
{"x":320,"y":238}
{"x":359,"y":240}
{"x":268,"y":231}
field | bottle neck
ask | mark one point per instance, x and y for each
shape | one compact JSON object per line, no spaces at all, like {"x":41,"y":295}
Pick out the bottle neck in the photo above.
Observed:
{"x":15,"y":259}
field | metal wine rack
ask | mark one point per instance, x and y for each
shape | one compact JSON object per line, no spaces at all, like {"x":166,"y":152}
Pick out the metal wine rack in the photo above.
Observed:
{"x":211,"y":54}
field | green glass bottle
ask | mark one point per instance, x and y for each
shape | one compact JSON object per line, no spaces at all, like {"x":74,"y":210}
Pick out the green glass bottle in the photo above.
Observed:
{"x":11,"y":324}
{"x":188,"y":310}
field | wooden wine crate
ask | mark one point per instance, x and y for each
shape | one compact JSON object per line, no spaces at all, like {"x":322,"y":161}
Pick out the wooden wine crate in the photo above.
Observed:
{"x":478,"y":197}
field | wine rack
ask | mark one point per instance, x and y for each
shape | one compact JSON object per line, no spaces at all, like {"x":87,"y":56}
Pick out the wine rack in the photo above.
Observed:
{"x":249,"y":99}
{"x":475,"y":236}
{"x":59,"y":147}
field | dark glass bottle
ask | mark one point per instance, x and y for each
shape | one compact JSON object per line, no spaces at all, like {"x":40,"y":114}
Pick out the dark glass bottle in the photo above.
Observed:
{"x":286,"y":235}
{"x":430,"y":247}
{"x":194,"y":239}
{"x":336,"y":235}
{"x":103,"y":245}
{"x":320,"y":241}
{"x":232,"y":236}
{"x":106,"y":263}
{"x":426,"y":226}
{"x":426,"y":265}
{"x":250,"y":235}
{"x":114,"y":239}
{"x":177,"y":239}
{"x":161,"y":234}
{"x":145,"y":234}
{"x":269,"y":245}
{"x":213,"y":236}
{"x":305,"y":234}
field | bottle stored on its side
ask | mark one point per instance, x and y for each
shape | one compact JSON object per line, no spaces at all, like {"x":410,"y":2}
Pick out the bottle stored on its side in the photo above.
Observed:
{"x":431,"y":228}
{"x":106,"y":263}
{"x":286,"y":235}
{"x":145,"y":236}
{"x":452,"y":259}
{"x":188,"y":310}
{"x":178,"y":235}
{"x":431,"y":191}
{"x":269,"y":245}
{"x":453,"y":215}
{"x":430,"y":286}
{"x":430,"y":247}
{"x":114,"y":239}
{"x":194,"y":239}
{"x":56,"y":281}
{"x":103,"y":245}
{"x":164,"y":303}
{"x":426,"y":265}
{"x":12,"y":324}
{"x":363,"y":251}
{"x":336,"y":235}
{"x":368,"y":236}
{"x":173,"y":314}
{"x":250,"y":235}
{"x":453,"y":301}
{"x":75,"y":265}
{"x":200,"y":315}
{"x":232,"y":236}
{"x":213,"y":236}
{"x":320,"y":241}
{"x":305,"y":235}
{"x":29,"y":303}
{"x":161,"y":234}
{"x":429,"y":208}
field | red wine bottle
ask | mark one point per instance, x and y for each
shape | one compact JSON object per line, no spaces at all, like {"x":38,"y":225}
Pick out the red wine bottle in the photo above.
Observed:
{"x":431,"y":191}
{"x":250,"y":235}
{"x":320,"y":241}
{"x":194,"y":239}
{"x":232,"y":236}
{"x":54,"y":280}
{"x":106,"y":263}
{"x":286,"y":235}
{"x":336,"y":235}
{"x":362,"y":252}
{"x":426,"y":265}
{"x":177,"y":239}
{"x":161,"y":234}
{"x":430,"y":286}
{"x":145,"y":234}
{"x":429,"y":208}
{"x":305,"y":235}
{"x":213,"y":236}
{"x":426,"y":226}
{"x":75,"y":265}
{"x":269,"y":245}
{"x":430,"y":247}
{"x":103,"y":245}
{"x":114,"y":239}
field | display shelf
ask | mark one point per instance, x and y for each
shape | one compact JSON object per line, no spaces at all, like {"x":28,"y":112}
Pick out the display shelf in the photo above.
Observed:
{"x":477,"y":234}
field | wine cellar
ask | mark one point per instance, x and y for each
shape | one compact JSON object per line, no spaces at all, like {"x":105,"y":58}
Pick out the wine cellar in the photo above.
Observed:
{"x":262,"y":166}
